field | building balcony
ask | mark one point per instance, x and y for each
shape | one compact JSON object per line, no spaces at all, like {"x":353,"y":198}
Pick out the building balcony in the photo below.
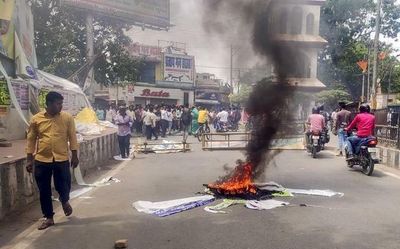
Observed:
{"x":301,"y":40}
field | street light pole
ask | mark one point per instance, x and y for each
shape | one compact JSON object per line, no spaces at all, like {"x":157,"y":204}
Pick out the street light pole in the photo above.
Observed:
{"x":231,"y":77}
{"x":376,"y":48}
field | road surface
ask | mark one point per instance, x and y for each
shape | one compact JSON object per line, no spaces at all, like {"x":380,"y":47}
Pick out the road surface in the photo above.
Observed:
{"x":367,"y":216}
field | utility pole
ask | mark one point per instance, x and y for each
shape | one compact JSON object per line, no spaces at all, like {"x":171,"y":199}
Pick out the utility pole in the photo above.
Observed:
{"x":238,"y":84}
{"x":376,"y":48}
{"x":89,"y":56}
{"x":231,"y":76}
{"x":363,"y":85}
{"x":369,"y":73}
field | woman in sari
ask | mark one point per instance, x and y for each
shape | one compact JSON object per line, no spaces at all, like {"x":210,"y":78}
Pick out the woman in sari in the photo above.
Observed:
{"x":195,"y":116}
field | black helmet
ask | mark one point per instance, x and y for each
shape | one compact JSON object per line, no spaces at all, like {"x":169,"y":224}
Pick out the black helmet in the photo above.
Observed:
{"x":365,"y":108}
{"x":315,"y":110}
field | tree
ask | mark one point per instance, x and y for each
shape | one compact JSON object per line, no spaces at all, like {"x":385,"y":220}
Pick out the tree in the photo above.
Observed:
{"x":331,"y":98}
{"x":60,"y":38}
{"x":347,"y":25}
{"x":242,"y":96}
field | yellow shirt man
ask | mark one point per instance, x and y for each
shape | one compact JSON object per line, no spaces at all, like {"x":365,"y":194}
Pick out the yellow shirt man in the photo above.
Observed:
{"x":203,"y":116}
{"x":48,"y":136}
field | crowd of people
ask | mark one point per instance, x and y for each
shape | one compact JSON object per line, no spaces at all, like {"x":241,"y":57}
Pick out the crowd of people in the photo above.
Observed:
{"x":154,"y":121}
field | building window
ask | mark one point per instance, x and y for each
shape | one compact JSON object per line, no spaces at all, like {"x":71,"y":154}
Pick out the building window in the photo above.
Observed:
{"x":283,"y":20}
{"x":310,"y":24}
{"x":297,"y":20}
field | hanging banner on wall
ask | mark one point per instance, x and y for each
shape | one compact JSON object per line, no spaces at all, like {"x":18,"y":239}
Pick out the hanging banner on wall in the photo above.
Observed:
{"x":24,"y":30}
{"x":7,"y":28}
{"x":5,"y":100}
{"x":22,"y":93}
{"x":179,"y":68}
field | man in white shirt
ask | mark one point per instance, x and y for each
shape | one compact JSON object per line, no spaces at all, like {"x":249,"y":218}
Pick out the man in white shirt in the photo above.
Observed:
{"x":223,"y":116}
{"x":164,"y":121}
{"x":149,"y":121}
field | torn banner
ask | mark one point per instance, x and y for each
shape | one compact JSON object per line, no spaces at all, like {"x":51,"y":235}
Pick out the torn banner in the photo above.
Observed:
{"x":166,"y":208}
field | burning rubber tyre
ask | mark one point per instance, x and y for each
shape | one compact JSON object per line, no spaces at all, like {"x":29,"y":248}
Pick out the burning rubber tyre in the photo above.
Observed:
{"x":369,"y":167}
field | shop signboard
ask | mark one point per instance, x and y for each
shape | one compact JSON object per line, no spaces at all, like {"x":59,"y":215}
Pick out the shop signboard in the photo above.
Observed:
{"x":178,"y":68}
{"x":207,"y":95}
{"x":146,"y":52}
{"x":154,"y":13}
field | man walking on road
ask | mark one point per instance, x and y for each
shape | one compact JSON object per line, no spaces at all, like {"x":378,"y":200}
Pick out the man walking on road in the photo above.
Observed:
{"x":342,"y":120}
{"x":124,"y":123}
{"x":186,"y":119}
{"x":48,"y":135}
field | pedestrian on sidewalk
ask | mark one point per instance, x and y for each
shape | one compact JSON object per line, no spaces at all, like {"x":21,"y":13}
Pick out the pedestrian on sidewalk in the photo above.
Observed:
{"x":342,"y":121}
{"x":150,"y":122}
{"x":48,"y":136}
{"x":124,"y":123}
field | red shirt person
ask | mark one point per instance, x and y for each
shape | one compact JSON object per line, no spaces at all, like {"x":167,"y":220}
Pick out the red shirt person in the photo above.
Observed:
{"x":365,"y":124}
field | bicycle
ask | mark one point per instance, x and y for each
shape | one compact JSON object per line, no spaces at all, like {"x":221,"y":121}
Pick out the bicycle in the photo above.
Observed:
{"x":203,"y":129}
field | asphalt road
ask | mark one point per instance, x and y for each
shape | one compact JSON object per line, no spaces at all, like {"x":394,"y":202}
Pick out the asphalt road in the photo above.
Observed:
{"x":365,"y":217}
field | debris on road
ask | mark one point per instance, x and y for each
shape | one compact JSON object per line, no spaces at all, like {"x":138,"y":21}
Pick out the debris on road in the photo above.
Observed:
{"x":218,"y":209}
{"x":164,"y":147}
{"x":166,"y":208}
{"x":121,"y":244}
{"x":103,"y":182}
{"x":316,"y":192}
{"x":119,"y":158}
{"x":265,"y":204}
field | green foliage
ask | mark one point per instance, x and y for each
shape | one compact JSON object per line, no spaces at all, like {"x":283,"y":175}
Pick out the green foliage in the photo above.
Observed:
{"x":60,"y":37}
{"x":331,"y":98}
{"x":242,"y":96}
{"x":347,"y":25}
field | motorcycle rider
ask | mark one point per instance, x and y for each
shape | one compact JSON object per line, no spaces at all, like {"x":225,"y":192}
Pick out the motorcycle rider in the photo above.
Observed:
{"x":316,"y":123}
{"x":222,"y":117}
{"x":365,"y":124}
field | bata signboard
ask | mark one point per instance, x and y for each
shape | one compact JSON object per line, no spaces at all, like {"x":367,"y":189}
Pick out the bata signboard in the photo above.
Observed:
{"x":179,"y":68}
{"x":154,"y":13}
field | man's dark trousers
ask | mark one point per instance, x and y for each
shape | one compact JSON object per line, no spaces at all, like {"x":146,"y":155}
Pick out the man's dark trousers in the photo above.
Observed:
{"x":62,"y":183}
{"x":124,"y":143}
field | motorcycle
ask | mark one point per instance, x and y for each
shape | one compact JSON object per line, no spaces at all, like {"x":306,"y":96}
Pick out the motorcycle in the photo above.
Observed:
{"x":366,"y":156}
{"x":315,"y":143}
{"x":225,"y":127}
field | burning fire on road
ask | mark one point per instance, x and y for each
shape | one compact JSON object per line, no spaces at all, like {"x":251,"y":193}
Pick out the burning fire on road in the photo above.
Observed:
{"x":268,"y":104}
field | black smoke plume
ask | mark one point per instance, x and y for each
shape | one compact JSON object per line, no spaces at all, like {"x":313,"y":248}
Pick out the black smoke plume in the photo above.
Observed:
{"x":268,"y":104}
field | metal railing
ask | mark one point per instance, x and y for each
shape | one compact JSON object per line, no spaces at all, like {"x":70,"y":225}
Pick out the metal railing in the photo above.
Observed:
{"x":388,"y":136}
{"x":239,"y":141}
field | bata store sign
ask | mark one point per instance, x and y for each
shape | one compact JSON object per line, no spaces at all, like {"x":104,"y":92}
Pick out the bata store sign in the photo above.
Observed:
{"x":158,"y":93}
{"x":150,"y":93}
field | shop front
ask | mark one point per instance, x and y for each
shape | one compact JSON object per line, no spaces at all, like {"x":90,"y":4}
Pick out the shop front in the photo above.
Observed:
{"x":145,"y":95}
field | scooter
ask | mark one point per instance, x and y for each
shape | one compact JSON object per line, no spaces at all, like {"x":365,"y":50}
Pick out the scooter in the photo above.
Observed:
{"x":366,"y":156}
{"x":315,"y":144}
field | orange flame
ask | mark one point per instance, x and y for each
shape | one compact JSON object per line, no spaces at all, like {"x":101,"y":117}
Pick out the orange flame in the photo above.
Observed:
{"x":240,"y":182}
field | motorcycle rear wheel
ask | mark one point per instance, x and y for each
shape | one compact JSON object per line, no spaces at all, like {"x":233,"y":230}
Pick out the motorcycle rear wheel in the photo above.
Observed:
{"x":314,"y":152}
{"x":369,"y":168}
